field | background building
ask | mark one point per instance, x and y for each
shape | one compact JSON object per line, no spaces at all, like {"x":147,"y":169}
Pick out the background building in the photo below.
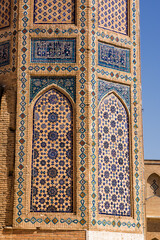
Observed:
{"x":71,"y":156}
{"x":152,"y":179}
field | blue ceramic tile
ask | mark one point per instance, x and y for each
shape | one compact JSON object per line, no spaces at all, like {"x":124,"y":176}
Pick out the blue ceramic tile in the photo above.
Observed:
{"x":52,"y":154}
{"x":113,"y":57}
{"x":57,"y":50}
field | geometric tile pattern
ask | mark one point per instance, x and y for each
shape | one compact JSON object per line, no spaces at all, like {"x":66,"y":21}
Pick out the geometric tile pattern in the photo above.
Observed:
{"x":67,"y":83}
{"x":113,"y":15}
{"x":57,"y":50}
{"x":57,"y":68}
{"x":22,"y":150}
{"x":52,"y":154}
{"x":57,"y":31}
{"x":54,"y":11}
{"x":136,"y":141}
{"x":5,"y":12}
{"x":113,"y":160}
{"x":4,"y":53}
{"x":113,"y":57}
{"x":122,"y":90}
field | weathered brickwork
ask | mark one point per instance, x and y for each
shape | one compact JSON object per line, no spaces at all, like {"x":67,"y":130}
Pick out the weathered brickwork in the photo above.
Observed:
{"x":7,"y":136}
{"x":42,"y":235}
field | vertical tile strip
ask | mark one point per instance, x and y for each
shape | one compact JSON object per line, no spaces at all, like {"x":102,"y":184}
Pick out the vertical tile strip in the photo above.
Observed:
{"x":82,"y":111}
{"x":93,"y":117}
{"x":22,"y":116}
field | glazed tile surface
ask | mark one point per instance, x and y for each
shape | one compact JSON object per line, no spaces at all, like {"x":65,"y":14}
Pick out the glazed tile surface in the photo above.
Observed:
{"x":122,"y":90}
{"x":5,"y":12}
{"x":86,"y":111}
{"x":54,"y":11}
{"x":56,"y":50}
{"x":112,"y":15}
{"x":113,"y":57}
{"x":114,"y":163}
{"x":52,"y":154}
{"x":67,"y":83}
{"x":4,"y":53}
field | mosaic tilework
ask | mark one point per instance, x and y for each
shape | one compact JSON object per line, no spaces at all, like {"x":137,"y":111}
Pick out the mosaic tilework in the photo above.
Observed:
{"x":52,"y":154}
{"x":122,"y":90}
{"x":51,"y":68}
{"x":113,"y":57}
{"x":4,"y":53}
{"x":5,"y":12}
{"x":21,"y":218}
{"x":57,"y":50}
{"x":112,"y":15}
{"x":54,"y":11}
{"x":6,"y":34}
{"x":67,"y":83}
{"x":23,"y":124}
{"x":113,"y":161}
{"x":115,"y":39}
{"x":53,"y":30}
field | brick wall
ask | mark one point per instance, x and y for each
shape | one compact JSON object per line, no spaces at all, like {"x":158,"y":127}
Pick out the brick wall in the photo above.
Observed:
{"x":42,"y":235}
{"x":152,"y":171}
{"x":7,"y":143}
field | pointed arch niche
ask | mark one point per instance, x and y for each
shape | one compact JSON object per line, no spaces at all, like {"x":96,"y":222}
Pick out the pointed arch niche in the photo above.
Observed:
{"x":114,"y":183}
{"x":52,"y":153}
{"x":153,"y":185}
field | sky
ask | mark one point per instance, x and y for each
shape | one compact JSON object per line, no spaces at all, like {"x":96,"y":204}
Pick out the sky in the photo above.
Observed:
{"x":150,"y":76}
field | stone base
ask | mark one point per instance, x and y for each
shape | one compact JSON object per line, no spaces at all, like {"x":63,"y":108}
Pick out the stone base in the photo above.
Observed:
{"x":98,"y":235}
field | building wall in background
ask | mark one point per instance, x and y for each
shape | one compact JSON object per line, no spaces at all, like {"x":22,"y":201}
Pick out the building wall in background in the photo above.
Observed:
{"x":152,"y":179}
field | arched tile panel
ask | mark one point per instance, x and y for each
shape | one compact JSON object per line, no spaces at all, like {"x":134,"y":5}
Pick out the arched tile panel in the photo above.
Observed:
{"x":114,"y":162}
{"x":52,"y":154}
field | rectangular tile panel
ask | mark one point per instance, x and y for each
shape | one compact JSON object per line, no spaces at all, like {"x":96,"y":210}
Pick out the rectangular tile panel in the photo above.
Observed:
{"x":54,"y":11}
{"x":57,"y":50}
{"x":113,"y":57}
{"x":4,"y":53}
{"x":5,"y":12}
{"x":113,"y":15}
